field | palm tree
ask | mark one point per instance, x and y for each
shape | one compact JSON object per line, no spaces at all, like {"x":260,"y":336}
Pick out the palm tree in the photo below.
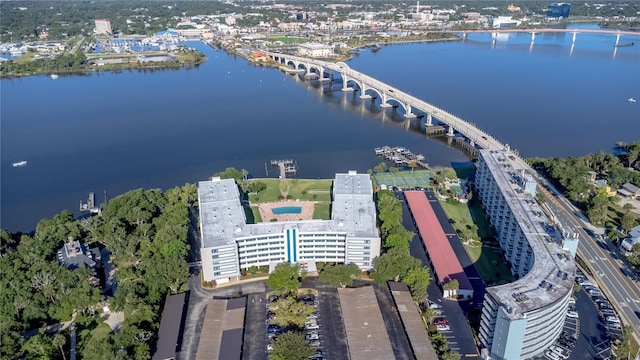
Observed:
{"x":59,"y":340}
{"x":429,"y":315}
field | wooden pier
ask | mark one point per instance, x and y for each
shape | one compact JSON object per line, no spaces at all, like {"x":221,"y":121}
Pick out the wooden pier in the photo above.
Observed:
{"x":285,"y":166}
{"x":401,"y":156}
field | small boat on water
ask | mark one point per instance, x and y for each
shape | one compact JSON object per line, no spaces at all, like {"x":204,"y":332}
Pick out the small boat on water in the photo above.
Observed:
{"x":54,"y":76}
{"x":631,"y":100}
{"x":20,"y":163}
{"x":624,"y":45}
{"x":376,"y":47}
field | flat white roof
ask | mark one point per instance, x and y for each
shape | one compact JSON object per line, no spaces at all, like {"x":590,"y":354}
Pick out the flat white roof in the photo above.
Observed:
{"x":552,"y":273}
{"x":222,"y":218}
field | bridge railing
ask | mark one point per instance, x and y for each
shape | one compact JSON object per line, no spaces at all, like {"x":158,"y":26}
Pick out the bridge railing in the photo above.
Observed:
{"x":471,"y":132}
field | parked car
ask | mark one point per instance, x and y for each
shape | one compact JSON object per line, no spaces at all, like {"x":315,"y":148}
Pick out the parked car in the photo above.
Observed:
{"x":563,"y":353}
{"x":572,"y":314}
{"x":551,"y":355}
{"x":441,"y":321}
{"x":443,"y":327}
{"x":312,"y":327}
{"x":433,"y":305}
{"x":274,"y":329}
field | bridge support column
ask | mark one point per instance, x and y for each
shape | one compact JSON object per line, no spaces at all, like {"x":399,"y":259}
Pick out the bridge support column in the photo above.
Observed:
{"x":365,"y":97}
{"x":347,"y":89}
{"x":384,"y":103}
{"x":429,"y":120}
{"x":409,"y":114}
{"x":450,"y":131}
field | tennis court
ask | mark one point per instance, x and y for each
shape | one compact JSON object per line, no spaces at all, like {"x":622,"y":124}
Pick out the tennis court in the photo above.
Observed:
{"x":404,"y":179}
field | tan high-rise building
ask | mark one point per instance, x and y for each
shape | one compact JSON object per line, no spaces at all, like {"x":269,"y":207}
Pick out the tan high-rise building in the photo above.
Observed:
{"x":103,"y":26}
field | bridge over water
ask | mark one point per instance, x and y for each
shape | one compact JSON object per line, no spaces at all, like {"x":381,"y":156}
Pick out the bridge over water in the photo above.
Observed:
{"x":390,"y":96}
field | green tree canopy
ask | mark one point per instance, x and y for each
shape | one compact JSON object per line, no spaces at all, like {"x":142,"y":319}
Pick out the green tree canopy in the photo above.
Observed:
{"x":291,"y":345}
{"x":339,"y":274}
{"x":288,"y":311}
{"x":393,"y":265}
{"x":285,"y":279}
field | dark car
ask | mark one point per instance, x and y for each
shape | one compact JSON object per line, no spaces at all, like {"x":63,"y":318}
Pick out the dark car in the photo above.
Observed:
{"x":274,"y":328}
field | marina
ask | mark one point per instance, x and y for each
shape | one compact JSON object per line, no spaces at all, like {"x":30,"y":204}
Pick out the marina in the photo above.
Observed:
{"x":401,"y":156}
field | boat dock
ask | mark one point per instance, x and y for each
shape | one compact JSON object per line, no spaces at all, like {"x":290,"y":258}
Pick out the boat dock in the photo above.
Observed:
{"x":401,"y":156}
{"x":286,"y":167}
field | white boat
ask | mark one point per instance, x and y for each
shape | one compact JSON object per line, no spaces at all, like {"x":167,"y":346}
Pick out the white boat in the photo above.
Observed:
{"x":20,"y":163}
{"x":631,"y":100}
{"x":54,"y":76}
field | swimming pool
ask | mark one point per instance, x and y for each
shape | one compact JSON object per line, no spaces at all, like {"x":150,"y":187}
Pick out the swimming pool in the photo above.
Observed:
{"x":286,"y":210}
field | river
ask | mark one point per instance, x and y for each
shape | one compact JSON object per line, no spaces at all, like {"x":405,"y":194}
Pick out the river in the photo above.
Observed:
{"x":113,"y":132}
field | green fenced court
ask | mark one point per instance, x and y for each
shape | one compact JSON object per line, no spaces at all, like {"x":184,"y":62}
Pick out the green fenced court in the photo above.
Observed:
{"x":404,"y":179}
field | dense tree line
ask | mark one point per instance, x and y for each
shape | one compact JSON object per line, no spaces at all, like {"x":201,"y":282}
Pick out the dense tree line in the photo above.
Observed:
{"x":146,"y":234}
{"x":70,"y":18}
{"x":396,"y":263}
{"x":570,"y":175}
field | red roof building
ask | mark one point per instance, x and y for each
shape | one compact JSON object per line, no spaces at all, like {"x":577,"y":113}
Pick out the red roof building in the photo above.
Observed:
{"x":444,"y":259}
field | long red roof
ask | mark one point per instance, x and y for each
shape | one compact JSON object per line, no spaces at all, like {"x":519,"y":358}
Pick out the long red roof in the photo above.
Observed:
{"x":444,"y":259}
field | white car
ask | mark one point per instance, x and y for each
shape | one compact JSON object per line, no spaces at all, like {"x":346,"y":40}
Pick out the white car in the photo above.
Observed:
{"x":551,"y":355}
{"x":312,"y":327}
{"x":572,"y":301}
{"x":613,"y":319}
{"x":443,"y":327}
{"x":564,"y":354}
{"x":572,"y":314}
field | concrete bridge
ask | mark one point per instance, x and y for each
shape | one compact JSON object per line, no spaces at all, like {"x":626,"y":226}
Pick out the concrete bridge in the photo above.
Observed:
{"x":390,"y":96}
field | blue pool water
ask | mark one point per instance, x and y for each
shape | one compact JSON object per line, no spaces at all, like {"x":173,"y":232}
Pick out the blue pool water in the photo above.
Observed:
{"x":287,"y":210}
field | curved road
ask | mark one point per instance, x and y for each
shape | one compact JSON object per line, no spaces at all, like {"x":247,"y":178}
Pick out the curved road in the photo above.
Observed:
{"x":612,"y":275}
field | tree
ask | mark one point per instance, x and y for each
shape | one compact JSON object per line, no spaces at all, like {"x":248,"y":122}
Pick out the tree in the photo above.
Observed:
{"x":429,"y":315}
{"x":412,"y":164}
{"x":284,"y":279}
{"x":623,"y":346}
{"x":230,"y":173}
{"x":288,"y":311}
{"x":339,"y":274}
{"x":59,"y":340}
{"x":393,"y":265}
{"x":257,"y":186}
{"x":627,"y":221}
{"x":451,"y":285}
{"x":397,"y":241}
{"x":380,"y":168}
{"x":417,"y":279}
{"x":291,"y":346}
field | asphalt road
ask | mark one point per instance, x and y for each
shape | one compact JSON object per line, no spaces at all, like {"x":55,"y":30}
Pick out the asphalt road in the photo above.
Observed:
{"x":610,"y":272}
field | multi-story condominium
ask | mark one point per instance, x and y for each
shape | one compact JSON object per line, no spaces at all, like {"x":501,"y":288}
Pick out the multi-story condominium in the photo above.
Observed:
{"x":523,"y":318}
{"x":103,"y":27}
{"x":230,"y":244}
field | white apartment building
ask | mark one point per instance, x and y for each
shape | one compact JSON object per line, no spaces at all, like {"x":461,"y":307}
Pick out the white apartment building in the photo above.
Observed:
{"x":230,"y":244}
{"x":522,"y":319}
{"x":314,"y":50}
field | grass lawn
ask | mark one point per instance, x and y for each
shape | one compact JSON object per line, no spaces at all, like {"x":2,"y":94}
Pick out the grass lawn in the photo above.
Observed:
{"x":491,"y":264}
{"x":288,"y":39}
{"x":460,"y":217}
{"x":322,"y":211}
{"x":101,"y":331}
{"x":312,"y":190}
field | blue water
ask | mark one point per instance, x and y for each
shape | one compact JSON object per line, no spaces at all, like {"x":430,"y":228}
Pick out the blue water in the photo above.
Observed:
{"x":113,"y":132}
{"x":286,"y":210}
